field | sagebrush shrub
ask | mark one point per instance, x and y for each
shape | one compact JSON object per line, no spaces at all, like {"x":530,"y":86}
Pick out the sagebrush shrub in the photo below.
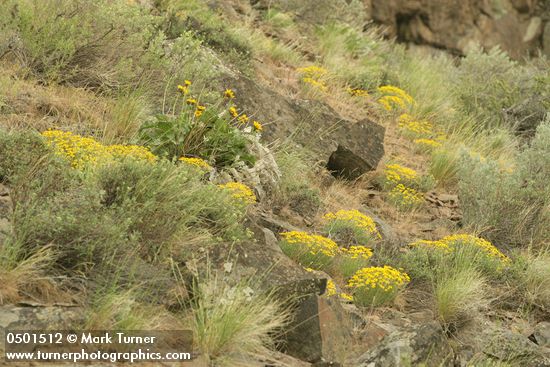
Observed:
{"x":509,"y":205}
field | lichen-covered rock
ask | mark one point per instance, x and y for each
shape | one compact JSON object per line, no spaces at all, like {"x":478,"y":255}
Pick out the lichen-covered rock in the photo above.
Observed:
{"x":510,"y":347}
{"x":421,"y":344}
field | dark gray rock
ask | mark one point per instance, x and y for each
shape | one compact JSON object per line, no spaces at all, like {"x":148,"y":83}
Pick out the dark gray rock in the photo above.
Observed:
{"x":347,"y":148}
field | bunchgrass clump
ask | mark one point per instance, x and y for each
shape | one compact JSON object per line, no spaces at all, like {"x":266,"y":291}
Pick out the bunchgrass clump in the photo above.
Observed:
{"x":459,"y":296}
{"x":234,"y":324}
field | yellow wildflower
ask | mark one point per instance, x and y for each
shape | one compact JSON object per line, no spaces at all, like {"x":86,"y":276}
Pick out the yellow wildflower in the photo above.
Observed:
{"x":229,"y":94}
{"x":257,"y":125}
{"x":191,"y":101}
{"x":385,"y":278}
{"x":240,"y":191}
{"x":355,"y":218}
{"x":233,"y":111}
{"x":357,"y":92}
{"x":331,"y":288}
{"x":82,"y":152}
{"x":315,"y":244}
{"x":346,"y":297}
{"x":405,"y":196}
{"x":197,"y":162}
{"x":358,"y":252}
{"x":243,"y":119}
{"x":312,"y":71}
{"x":427,"y":143}
{"x":396,"y":173}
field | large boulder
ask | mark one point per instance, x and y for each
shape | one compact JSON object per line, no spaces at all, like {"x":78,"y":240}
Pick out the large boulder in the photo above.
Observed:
{"x":347,"y":148}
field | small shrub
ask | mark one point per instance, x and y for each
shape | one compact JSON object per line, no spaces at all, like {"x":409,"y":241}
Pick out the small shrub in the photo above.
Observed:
{"x":444,"y":165}
{"x":405,"y":198}
{"x":311,"y":251}
{"x":352,"y":259}
{"x":240,"y":191}
{"x":114,"y":309}
{"x":91,"y":44}
{"x":531,"y":281}
{"x":430,"y":259}
{"x":488,"y":83}
{"x":351,"y":227}
{"x":511,"y":205}
{"x":20,"y":152}
{"x":376,"y":286}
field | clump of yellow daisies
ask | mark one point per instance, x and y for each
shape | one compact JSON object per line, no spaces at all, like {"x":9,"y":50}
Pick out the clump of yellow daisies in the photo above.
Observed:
{"x":395,"y":99}
{"x":350,"y":262}
{"x":240,"y":192}
{"x":458,"y":242}
{"x":83,"y":152}
{"x":314,"y":77}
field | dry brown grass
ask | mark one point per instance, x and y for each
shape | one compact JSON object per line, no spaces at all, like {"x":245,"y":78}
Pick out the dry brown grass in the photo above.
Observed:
{"x":27,"y":279}
{"x":31,"y":105}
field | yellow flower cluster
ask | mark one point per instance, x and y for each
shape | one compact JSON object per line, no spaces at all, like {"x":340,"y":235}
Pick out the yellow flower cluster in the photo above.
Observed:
{"x":331,"y":288}
{"x":184,"y":89}
{"x":427,"y":143}
{"x":394,"y":97}
{"x":406,"y":196}
{"x":385,"y":278}
{"x":243,"y":119}
{"x":358,"y":252}
{"x":240,"y":191}
{"x":257,"y":125}
{"x":396,"y":174}
{"x":415,"y":127}
{"x":316,"y":83}
{"x":312,"y":71}
{"x":83,"y":151}
{"x":346,"y":297}
{"x":356,"y":218}
{"x":466,"y":239}
{"x":450,"y":243}
{"x":196,"y":162}
{"x":316,"y":244}
{"x":434,"y":245}
{"x":313,"y":75}
{"x":357,"y":92}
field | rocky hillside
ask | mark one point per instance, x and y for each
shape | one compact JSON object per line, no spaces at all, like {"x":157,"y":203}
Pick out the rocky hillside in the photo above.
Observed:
{"x":290,"y":180}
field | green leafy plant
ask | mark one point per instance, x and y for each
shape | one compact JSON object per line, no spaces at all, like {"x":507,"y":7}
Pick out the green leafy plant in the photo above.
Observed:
{"x":206,"y":133}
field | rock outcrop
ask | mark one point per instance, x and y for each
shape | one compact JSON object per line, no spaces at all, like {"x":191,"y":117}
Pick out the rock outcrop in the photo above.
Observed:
{"x":347,"y":148}
{"x":519,"y":27}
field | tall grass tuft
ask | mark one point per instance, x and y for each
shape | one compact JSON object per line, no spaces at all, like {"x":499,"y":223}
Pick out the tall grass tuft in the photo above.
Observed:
{"x":233,"y":325}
